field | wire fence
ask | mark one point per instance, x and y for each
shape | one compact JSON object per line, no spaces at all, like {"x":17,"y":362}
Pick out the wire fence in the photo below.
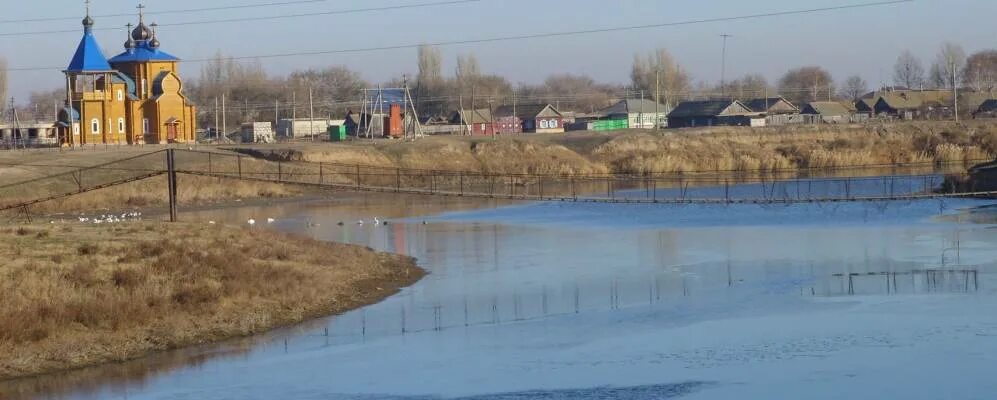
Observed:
{"x":63,"y":180}
{"x":565,"y":187}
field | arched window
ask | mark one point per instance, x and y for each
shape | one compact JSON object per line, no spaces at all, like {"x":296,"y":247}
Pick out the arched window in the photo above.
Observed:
{"x":121,"y":95}
{"x":95,"y":126}
{"x":121,"y":125}
{"x":145,"y":125}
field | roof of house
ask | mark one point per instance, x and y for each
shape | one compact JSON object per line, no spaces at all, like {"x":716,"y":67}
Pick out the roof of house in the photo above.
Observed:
{"x":826,"y":108}
{"x":479,"y":116}
{"x":988,"y":106}
{"x":141,"y":53}
{"x":709,"y":108}
{"x":527,"y":111}
{"x":771,"y":104}
{"x":867,"y":103}
{"x":914,"y":99}
{"x":88,"y":57}
{"x":633,"y":106}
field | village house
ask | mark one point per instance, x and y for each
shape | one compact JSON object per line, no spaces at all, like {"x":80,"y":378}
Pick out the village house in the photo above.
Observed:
{"x":828,"y":112}
{"x":691,"y":114}
{"x":475,"y":122}
{"x":532,"y":118}
{"x":135,"y":97}
{"x":28,"y":134}
{"x":915,"y":104}
{"x":777,"y":110}
{"x":639,"y":113}
{"x":772,"y":106}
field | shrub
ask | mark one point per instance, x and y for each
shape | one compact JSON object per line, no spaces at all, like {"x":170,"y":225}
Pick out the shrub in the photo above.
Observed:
{"x":87,"y":249}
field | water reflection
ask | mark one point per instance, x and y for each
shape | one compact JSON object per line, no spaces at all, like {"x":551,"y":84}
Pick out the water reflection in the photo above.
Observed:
{"x":512,"y":275}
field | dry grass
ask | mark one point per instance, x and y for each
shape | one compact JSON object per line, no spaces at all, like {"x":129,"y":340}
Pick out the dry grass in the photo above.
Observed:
{"x":80,"y":295}
{"x":193,"y":190}
{"x":734,"y":149}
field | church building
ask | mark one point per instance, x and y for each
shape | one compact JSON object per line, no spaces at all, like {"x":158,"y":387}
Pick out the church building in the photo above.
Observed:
{"x":135,"y":97}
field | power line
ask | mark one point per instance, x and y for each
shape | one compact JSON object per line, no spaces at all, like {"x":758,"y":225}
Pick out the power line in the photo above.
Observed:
{"x":537,"y":35}
{"x":180,"y":11}
{"x":264,"y":18}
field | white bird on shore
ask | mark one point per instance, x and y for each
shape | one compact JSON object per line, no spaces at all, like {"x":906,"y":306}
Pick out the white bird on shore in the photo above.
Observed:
{"x":251,"y":222}
{"x":211,"y":222}
{"x":271,"y":220}
{"x":377,"y":222}
{"x":360,"y":222}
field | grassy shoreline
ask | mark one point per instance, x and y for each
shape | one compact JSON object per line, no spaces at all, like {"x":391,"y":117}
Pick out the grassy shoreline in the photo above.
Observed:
{"x":683,"y":151}
{"x":82,"y":295}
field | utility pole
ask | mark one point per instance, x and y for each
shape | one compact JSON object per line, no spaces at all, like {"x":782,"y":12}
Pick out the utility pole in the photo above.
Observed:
{"x":311,"y":115}
{"x":294,"y":115}
{"x":657,"y":97}
{"x":723,"y":66}
{"x":955,"y":89}
{"x":224,"y":125}
{"x":218,"y":134}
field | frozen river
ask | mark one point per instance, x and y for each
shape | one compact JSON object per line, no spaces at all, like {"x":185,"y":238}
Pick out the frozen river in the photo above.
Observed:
{"x":593,"y":301}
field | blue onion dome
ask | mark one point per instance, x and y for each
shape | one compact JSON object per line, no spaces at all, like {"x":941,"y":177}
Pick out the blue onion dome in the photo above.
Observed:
{"x":141,"y":32}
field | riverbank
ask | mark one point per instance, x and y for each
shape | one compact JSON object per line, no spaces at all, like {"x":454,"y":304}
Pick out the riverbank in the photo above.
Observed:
{"x":79,"y":295}
{"x":714,"y":149}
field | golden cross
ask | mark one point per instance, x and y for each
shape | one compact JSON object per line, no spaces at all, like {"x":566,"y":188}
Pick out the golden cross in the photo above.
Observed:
{"x":140,"y":8}
{"x":87,"y":2}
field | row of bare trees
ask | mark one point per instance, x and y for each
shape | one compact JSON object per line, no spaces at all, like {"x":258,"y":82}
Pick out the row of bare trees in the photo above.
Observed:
{"x":249,"y":93}
{"x":950,"y":68}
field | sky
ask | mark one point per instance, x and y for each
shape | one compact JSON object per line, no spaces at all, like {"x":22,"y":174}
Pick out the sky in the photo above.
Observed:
{"x":864,"y":41}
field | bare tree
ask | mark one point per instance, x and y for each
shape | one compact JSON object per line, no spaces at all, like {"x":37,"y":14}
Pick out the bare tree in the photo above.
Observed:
{"x":853,"y":88}
{"x":429,"y":83}
{"x":467,"y":67}
{"x":948,"y":65}
{"x":577,"y":92}
{"x":331,"y":87}
{"x":908,"y":71}
{"x":806,"y":84}
{"x":749,"y":86}
{"x":659,"y":72}
{"x":980,"y":72}
{"x":41,"y":105}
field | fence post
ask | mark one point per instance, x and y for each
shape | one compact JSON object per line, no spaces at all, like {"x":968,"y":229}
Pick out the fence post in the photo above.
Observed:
{"x":462,"y":184}
{"x":541,"y":187}
{"x":239,"y":161}
{"x":171,"y":179}
{"x":321,"y":173}
{"x":358,"y":177}
{"x":209,"y":164}
{"x":280,"y":172}
{"x":398,"y":180}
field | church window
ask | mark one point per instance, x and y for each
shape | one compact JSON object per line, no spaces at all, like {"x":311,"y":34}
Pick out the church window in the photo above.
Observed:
{"x":143,"y":87}
{"x":145,"y":125}
{"x":121,"y":125}
{"x":95,"y":126}
{"x":121,"y":95}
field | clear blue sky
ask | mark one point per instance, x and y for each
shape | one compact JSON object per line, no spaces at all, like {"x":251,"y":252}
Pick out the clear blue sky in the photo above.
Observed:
{"x":864,"y":41}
